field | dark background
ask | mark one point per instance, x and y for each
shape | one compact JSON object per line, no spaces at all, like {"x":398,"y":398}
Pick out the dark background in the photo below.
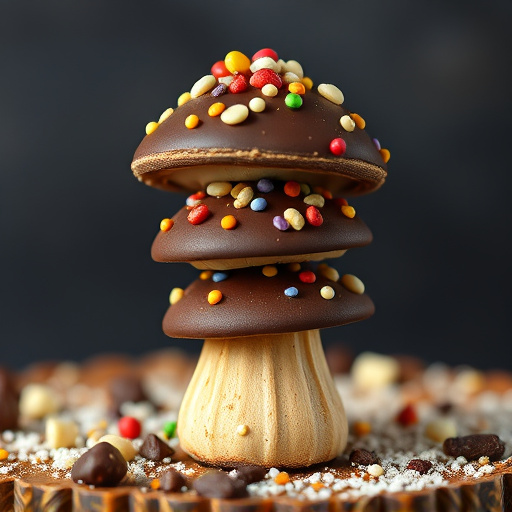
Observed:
{"x":80,"y":80}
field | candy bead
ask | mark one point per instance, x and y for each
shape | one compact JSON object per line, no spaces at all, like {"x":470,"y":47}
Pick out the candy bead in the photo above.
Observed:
{"x":329,"y":272}
{"x":292,"y":188}
{"x":238,"y":84}
{"x":294,"y":267}
{"x":198,"y":214}
{"x":269,"y":271}
{"x":151,"y":127}
{"x":216,"y":109}
{"x":264,"y":77}
{"x":315,"y":200}
{"x":386,"y":155}
{"x":291,"y":291}
{"x":294,"y":218}
{"x":191,"y":121}
{"x":297,"y":88}
{"x":258,"y":204}
{"x":265,"y":185}
{"x":280,"y":223}
{"x":184,"y":98}
{"x":219,"y":188}
{"x":244,"y":197}
{"x":205,"y":274}
{"x":269,"y":90}
{"x":265,"y":52}
{"x":228,"y":222}
{"x":332,"y":93}
{"x":214,"y":297}
{"x":360,"y":122}
{"x":169,"y":429}
{"x":129,"y":427}
{"x":237,"y":62}
{"x":219,"y":90}
{"x":195,"y":199}
{"x":165,"y":115}
{"x":237,"y":188}
{"x":327,"y":292}
{"x":293,"y":100}
{"x":219,"y":69}
{"x":176,"y":295}
{"x":305,"y":189}
{"x":347,"y":123}
{"x":203,"y":85}
{"x":341,"y":201}
{"x":313,"y":216}
{"x":338,"y":146}
{"x":308,"y":83}
{"x":217,"y":277}
{"x":353,"y":284}
{"x":307,"y":276}
{"x":166,"y":224}
{"x":377,"y":144}
{"x":264,"y":63}
{"x":4,"y":454}
{"x":257,"y":105}
{"x":348,"y":211}
{"x":235,"y":114}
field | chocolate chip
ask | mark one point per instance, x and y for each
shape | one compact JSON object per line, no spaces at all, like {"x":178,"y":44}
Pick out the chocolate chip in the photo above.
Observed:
{"x":125,"y":388}
{"x":251,"y":474}
{"x":363,"y":457}
{"x":172,"y":481}
{"x":9,"y":402}
{"x":475,"y":446}
{"x":153,"y":448}
{"x":102,"y":466}
{"x":420,"y":465}
{"x":217,"y":484}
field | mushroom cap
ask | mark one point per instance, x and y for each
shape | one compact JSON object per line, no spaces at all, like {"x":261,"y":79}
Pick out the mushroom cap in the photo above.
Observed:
{"x":254,"y":304}
{"x":280,"y":142}
{"x":255,"y":239}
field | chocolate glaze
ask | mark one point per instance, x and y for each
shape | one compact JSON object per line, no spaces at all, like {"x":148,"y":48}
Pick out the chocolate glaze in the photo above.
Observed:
{"x":255,"y":235}
{"x":279,"y":138}
{"x":255,"y":304}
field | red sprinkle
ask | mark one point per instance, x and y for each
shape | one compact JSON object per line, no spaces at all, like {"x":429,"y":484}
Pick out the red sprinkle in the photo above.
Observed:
{"x":129,"y":427}
{"x":219,"y":69}
{"x":341,"y":201}
{"x":265,"y":52}
{"x":292,"y":188}
{"x":265,"y":76}
{"x":193,"y":199}
{"x":307,"y":276}
{"x":198,"y":214}
{"x":407,"y":416}
{"x":313,"y":216}
{"x":238,"y":84}
{"x":338,"y":146}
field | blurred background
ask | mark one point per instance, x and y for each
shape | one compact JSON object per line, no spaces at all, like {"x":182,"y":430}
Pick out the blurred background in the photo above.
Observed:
{"x":80,"y":80}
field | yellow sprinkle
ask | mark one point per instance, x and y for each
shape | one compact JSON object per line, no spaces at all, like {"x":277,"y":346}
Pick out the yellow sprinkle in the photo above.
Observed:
{"x":317,"y":486}
{"x":361,"y":428}
{"x":348,"y":211}
{"x":327,"y":292}
{"x":3,"y":454}
{"x":176,"y":295}
{"x":205,"y":274}
{"x":294,"y":267}
{"x":386,"y":155}
{"x":242,"y":430}
{"x":155,"y":484}
{"x":297,"y":88}
{"x":228,"y":222}
{"x":360,"y":122}
{"x":165,"y":114}
{"x":191,"y":121}
{"x":237,"y":61}
{"x":329,"y":273}
{"x":151,"y":127}
{"x":216,"y":109}
{"x":214,"y":297}
{"x":166,"y":224}
{"x":269,"y":270}
{"x":186,"y":96}
{"x":308,"y":83}
{"x":282,"y":478}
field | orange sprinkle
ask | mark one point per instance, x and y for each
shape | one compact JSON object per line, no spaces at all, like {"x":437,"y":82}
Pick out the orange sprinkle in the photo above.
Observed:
{"x":155,"y":484}
{"x":191,"y":121}
{"x":308,"y":83}
{"x":348,"y":211}
{"x":297,"y":88}
{"x":282,"y":478}
{"x":205,"y":274}
{"x":3,"y":454}
{"x":228,"y":222}
{"x":360,"y":122}
{"x":214,"y":297}
{"x":317,"y":486}
{"x":166,"y":224}
{"x":385,"y":154}
{"x":216,"y":109}
{"x":327,"y":194}
{"x":361,"y":428}
{"x":292,"y":188}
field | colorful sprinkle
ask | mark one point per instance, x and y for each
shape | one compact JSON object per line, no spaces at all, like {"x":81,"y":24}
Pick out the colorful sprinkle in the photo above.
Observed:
{"x":327,"y":292}
{"x":205,"y":274}
{"x":257,"y":105}
{"x":165,"y":114}
{"x":347,"y":123}
{"x":328,"y":272}
{"x":219,"y":188}
{"x":235,"y":114}
{"x":214,"y":297}
{"x":242,"y":430}
{"x":293,"y":100}
{"x":228,"y":222}
{"x":269,"y":271}
{"x":292,"y":188}
{"x":348,"y":211}
{"x":258,"y":204}
{"x":291,"y":291}
{"x":377,"y":143}
{"x":166,"y":224}
{"x":269,"y":90}
{"x":265,"y":185}
{"x":294,"y":218}
{"x":280,"y":223}
{"x":195,"y":199}
{"x":353,"y":284}
{"x":332,"y":93}
{"x":265,"y":52}
{"x":282,"y":478}
{"x":217,"y":277}
{"x":238,"y":84}
{"x":4,"y":454}
{"x":151,"y":127}
{"x":198,"y":214}
{"x":176,"y":295}
{"x":219,"y":69}
{"x":308,"y":83}
{"x":203,"y":85}
{"x":169,"y":429}
{"x":237,"y":62}
{"x":360,"y":122}
{"x":305,"y":189}
{"x":338,"y":146}
{"x":191,"y":121}
{"x":264,"y":77}
{"x":219,"y":90}
{"x":129,"y":427}
{"x":313,"y":216}
{"x":297,"y":88}
{"x":341,"y":201}
{"x":306,"y":276}
{"x":216,"y":109}
{"x":186,"y":96}
{"x":294,"y":267}
{"x":386,"y":155}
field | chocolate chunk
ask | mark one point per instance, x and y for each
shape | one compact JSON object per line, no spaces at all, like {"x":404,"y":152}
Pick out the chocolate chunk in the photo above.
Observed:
{"x":154,"y":448}
{"x":102,"y":466}
{"x":217,"y":484}
{"x":420,"y":465}
{"x":475,"y":446}
{"x":250,"y":474}
{"x":172,"y":481}
{"x":125,"y":388}
{"x":9,"y":402}
{"x":363,"y":457}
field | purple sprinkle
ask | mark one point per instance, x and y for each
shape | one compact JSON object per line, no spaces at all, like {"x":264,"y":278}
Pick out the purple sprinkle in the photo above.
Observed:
{"x":219,"y":90}
{"x":280,"y":223}
{"x":265,"y":185}
{"x":291,"y":292}
{"x":377,"y":143}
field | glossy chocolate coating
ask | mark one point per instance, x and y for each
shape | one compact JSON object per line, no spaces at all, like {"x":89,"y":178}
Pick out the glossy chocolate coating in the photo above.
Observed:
{"x":255,"y":304}
{"x":255,"y":234}
{"x":279,"y":142}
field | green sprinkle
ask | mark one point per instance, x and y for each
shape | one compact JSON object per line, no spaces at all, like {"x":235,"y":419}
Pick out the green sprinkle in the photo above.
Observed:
{"x":293,"y":100}
{"x":170,"y":429}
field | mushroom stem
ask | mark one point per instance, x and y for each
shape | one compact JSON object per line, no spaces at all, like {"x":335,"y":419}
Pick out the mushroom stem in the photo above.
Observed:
{"x":267,"y":400}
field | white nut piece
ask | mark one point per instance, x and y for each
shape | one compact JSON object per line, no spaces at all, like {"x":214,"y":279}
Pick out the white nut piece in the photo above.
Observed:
{"x":264,"y":63}
{"x":244,"y":197}
{"x":269,"y":90}
{"x":347,"y":123}
{"x":257,"y":105}
{"x":61,"y":433}
{"x":226,"y":80}
{"x":125,"y":446}
{"x":219,"y":188}
{"x":294,"y":67}
{"x":166,"y":114}
{"x":289,"y":78}
{"x":38,"y":401}
{"x":332,"y":93}
{"x":353,"y":284}
{"x":294,"y":218}
{"x":372,"y":371}
{"x":315,"y":200}
{"x":328,"y":272}
{"x":237,"y":188}
{"x":375,"y":470}
{"x":235,"y":114}
{"x":441,"y":429}
{"x":203,"y":85}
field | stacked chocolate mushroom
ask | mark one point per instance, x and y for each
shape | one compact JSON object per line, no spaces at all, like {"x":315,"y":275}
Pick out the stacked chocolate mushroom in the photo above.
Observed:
{"x":266,"y":155}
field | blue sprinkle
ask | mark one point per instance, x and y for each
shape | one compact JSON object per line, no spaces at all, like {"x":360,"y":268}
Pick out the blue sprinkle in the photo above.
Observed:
{"x":291,"y":292}
{"x":258,"y":204}
{"x":265,"y":185}
{"x":219,"y":276}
